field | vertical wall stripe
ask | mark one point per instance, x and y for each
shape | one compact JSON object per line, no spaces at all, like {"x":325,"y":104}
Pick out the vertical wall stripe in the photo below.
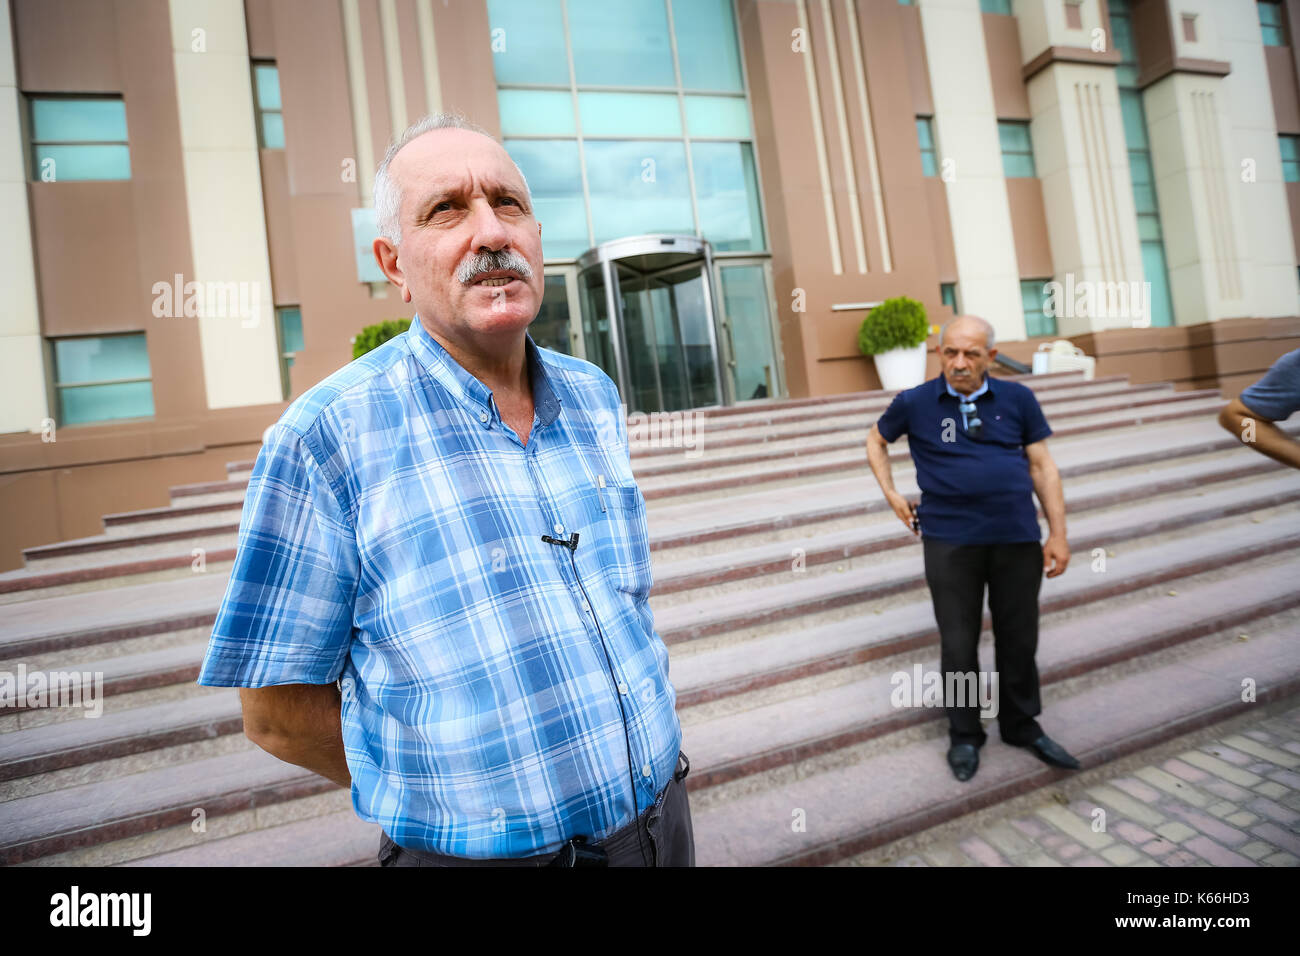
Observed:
{"x":846,"y":146}
{"x":22,"y":356}
{"x":360,"y":102}
{"x":873,"y":163}
{"x":819,"y":140}
{"x":225,"y":206}
{"x":1221,"y":231}
{"x":428,"y":56}
{"x":393,"y":65}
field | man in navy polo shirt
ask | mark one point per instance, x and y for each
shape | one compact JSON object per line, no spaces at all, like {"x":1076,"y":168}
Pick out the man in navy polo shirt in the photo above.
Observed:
{"x":980,"y":453}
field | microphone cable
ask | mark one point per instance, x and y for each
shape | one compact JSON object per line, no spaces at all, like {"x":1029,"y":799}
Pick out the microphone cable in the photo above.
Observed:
{"x":572,"y":545}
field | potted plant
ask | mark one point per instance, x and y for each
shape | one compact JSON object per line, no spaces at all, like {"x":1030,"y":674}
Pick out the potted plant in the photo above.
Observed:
{"x":373,"y":336}
{"x":894,"y":334}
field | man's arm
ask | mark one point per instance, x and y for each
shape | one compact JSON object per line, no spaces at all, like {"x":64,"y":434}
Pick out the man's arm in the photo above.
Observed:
{"x":878,"y":458}
{"x":300,"y":724}
{"x":1267,"y":438}
{"x":1047,"y":485}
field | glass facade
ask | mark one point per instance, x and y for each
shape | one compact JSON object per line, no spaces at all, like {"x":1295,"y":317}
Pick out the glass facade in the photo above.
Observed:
{"x":79,"y":138}
{"x":1270,"y":22}
{"x":1290,"y":149}
{"x":102,"y":378}
{"x":925,"y":139}
{"x":948,"y":296}
{"x":996,"y":6}
{"x":628,"y":118}
{"x":266,"y":98}
{"x":1150,"y":234}
{"x":1017,"y":150}
{"x":289,"y":328}
{"x":1033,"y":299}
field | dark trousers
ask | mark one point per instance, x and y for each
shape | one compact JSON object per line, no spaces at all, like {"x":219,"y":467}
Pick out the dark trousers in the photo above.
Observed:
{"x":663,"y":832}
{"x":957,"y":575}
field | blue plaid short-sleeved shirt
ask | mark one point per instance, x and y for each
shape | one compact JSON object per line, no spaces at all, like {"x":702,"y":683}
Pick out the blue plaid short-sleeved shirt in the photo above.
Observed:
{"x":391,"y":540}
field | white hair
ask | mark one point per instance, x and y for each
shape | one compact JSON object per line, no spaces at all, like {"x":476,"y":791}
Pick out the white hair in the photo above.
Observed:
{"x":989,"y":336}
{"x":388,"y":195}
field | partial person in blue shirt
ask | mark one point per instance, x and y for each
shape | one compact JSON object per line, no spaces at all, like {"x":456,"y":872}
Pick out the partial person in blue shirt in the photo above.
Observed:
{"x":980,"y":451}
{"x":440,"y":590}
{"x":1253,"y":416}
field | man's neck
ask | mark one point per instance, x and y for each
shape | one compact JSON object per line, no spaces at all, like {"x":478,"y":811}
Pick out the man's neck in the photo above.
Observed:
{"x":502,"y":366}
{"x":971,"y":387}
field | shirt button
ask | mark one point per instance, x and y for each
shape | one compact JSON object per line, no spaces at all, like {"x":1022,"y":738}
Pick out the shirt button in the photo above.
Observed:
{"x":484,"y":417}
{"x":646,"y":771}
{"x":559,"y":528}
{"x":586,"y":607}
{"x":622,"y":687}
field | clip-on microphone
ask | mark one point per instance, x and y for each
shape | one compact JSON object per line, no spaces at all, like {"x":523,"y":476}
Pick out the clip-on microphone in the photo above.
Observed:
{"x":571,"y":543}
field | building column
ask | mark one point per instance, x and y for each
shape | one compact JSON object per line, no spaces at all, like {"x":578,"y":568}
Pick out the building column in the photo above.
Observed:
{"x":970,"y":162}
{"x":1077,"y":130}
{"x":22,"y":352}
{"x":223,"y":192}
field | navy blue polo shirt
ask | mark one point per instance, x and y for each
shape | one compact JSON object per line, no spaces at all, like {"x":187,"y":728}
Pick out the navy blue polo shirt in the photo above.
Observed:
{"x":973,"y":490}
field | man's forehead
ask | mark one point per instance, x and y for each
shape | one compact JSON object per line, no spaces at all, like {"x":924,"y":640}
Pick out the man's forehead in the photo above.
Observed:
{"x":456,"y":165}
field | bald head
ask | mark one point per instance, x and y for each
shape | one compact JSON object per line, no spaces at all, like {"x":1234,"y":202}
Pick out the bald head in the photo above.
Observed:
{"x":388,"y":185}
{"x":969,"y":325}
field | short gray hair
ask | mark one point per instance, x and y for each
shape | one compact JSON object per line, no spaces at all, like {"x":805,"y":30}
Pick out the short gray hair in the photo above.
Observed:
{"x":989,"y":336}
{"x":388,"y":197}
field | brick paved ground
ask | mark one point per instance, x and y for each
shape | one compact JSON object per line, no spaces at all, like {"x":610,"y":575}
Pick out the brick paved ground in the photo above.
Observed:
{"x":1226,"y":796}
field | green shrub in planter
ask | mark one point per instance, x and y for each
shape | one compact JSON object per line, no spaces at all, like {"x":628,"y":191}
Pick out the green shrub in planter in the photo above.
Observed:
{"x":897,"y":323}
{"x":373,"y":336}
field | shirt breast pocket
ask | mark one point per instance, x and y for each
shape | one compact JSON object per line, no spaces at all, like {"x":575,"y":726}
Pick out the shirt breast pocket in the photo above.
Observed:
{"x":626,"y":531}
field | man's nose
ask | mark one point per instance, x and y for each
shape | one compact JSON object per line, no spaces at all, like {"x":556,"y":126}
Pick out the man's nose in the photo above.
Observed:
{"x":489,"y":232}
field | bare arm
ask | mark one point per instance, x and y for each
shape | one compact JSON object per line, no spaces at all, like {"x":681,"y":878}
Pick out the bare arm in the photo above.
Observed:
{"x":300,"y":724}
{"x":878,"y":458}
{"x":1047,"y":485}
{"x":1263,"y":435}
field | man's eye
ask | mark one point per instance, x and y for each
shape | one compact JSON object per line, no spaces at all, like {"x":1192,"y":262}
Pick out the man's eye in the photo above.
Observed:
{"x":441,"y":206}
{"x":510,"y":199}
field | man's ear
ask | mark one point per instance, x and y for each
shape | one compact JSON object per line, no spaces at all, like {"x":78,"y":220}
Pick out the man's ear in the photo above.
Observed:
{"x":993,"y":353}
{"x":386,"y":256}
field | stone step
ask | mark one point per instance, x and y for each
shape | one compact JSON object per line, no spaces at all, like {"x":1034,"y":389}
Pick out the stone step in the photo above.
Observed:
{"x":773,"y":600}
{"x":69,"y":575}
{"x":121,"y":807}
{"x":750,"y":740}
{"x":333,"y":839}
{"x":907,"y":788}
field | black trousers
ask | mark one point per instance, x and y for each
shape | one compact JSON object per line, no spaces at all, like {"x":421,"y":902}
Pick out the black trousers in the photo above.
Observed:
{"x":957,"y":575}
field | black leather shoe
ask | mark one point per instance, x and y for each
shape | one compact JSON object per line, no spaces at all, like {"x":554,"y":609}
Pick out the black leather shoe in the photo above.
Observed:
{"x":964,"y":759}
{"x":1049,"y":751}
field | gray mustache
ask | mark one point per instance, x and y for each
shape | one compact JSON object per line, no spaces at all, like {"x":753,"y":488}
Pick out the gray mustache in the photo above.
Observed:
{"x":482,"y":262}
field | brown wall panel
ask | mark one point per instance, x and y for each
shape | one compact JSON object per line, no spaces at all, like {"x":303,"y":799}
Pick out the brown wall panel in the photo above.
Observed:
{"x":918,"y":70}
{"x":1282,"y":84}
{"x":279,"y":226}
{"x":1029,"y":226}
{"x":412,"y":62}
{"x":464,"y":41}
{"x":945,"y":255}
{"x":67,"y":45}
{"x":261,"y":33}
{"x":1002,"y":46}
{"x":372,"y":43}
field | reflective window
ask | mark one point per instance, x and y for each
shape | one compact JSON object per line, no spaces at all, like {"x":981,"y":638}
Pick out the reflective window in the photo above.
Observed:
{"x":99,"y":378}
{"x":550,"y":329}
{"x":749,"y":332}
{"x":996,"y":6}
{"x":630,"y":114}
{"x":726,"y":189}
{"x":554,"y":176}
{"x":289,"y":327}
{"x":1270,"y":22}
{"x":948,"y":295}
{"x":620,"y":44}
{"x":706,"y":45}
{"x":1033,"y":299}
{"x":925,"y":138}
{"x":266,"y":98}
{"x":1017,"y":153}
{"x":528,"y":41}
{"x":716,"y":117}
{"x":1290,"y":147}
{"x":79,"y":139}
{"x":536,"y":113}
{"x":637,"y":186}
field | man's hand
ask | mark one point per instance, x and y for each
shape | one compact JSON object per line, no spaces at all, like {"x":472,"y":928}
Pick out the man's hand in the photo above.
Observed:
{"x":905,"y":510}
{"x":1056,"y":555}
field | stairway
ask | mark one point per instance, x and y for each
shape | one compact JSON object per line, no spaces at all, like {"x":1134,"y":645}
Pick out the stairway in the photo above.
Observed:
{"x":787,"y":593}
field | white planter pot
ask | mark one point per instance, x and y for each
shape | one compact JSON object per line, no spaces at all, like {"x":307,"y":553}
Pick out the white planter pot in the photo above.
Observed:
{"x":901,"y":368}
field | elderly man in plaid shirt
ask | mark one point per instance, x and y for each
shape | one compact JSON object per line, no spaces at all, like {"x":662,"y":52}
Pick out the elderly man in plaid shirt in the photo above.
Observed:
{"x":440,"y":590}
